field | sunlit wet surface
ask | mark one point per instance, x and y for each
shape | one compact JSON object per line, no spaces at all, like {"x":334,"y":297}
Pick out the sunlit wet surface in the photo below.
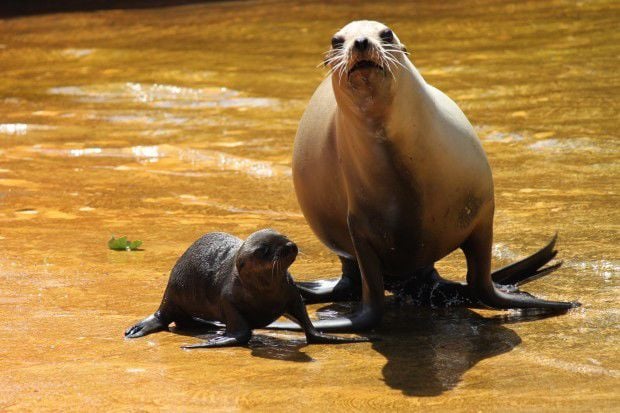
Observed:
{"x":164,"y":124}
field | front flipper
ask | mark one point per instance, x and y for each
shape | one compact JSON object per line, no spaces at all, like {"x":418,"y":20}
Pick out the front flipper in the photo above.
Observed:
{"x":151,"y":324}
{"x":343,"y":324}
{"x":477,"y":251}
{"x":297,"y":310}
{"x":346,"y":288}
{"x":373,"y":294}
{"x":238,"y":332}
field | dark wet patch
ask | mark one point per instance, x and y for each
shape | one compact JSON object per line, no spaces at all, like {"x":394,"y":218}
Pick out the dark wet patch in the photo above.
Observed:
{"x":469,"y":211}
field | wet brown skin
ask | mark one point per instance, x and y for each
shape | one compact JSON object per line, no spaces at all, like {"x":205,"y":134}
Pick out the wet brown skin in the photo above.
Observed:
{"x":245,"y":285}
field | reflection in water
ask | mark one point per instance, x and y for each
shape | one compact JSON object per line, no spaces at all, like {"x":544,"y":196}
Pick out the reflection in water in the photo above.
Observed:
{"x":275,"y":348}
{"x":566,"y":145}
{"x":206,"y":159}
{"x":14,"y":128}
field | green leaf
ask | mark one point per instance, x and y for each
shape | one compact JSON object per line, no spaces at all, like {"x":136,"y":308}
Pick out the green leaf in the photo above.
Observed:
{"x":122,"y":244}
{"x":134,"y":245}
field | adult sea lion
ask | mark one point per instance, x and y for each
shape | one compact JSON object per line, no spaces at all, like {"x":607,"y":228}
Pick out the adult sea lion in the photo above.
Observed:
{"x":245,"y":285}
{"x":391,"y":176}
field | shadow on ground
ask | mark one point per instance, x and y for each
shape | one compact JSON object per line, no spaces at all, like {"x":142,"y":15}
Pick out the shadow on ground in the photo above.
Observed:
{"x":427,"y":350}
{"x":286,"y":347}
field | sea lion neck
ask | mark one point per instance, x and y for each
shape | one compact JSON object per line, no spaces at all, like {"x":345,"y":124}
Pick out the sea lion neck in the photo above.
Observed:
{"x":368,"y":104}
{"x":374,"y":112}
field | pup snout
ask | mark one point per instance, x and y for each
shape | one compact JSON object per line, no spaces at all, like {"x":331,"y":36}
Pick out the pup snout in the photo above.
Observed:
{"x":290,"y":248}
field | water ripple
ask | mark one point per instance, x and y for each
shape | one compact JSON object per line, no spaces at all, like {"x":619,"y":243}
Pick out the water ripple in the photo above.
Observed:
{"x":13,"y":128}
{"x":208,"y":158}
{"x":163,"y":96}
{"x":566,"y":145}
{"x":607,"y":269}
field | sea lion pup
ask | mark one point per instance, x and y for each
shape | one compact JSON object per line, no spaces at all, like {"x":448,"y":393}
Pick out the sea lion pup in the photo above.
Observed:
{"x":391,"y":176}
{"x":243,"y":284}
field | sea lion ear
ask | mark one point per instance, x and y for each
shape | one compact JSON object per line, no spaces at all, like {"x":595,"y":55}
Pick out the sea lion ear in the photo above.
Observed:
{"x":240,"y":264}
{"x":403,"y":48}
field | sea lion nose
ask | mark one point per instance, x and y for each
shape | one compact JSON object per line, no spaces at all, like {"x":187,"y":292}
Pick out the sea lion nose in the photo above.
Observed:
{"x":361,"y":43}
{"x":291,"y":247}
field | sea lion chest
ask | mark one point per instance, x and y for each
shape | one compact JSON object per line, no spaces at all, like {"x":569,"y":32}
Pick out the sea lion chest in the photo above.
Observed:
{"x":385,"y":207}
{"x":261,"y":306}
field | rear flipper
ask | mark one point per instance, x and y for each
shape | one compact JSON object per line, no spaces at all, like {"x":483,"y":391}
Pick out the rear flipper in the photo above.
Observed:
{"x":528,"y":269}
{"x":428,"y":288}
{"x":537,"y":274}
{"x":238,"y":332}
{"x":221,"y":341}
{"x":197,"y":323}
{"x":151,"y":324}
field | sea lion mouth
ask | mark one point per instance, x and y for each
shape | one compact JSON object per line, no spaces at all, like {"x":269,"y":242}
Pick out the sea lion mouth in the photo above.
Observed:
{"x":365,"y":64}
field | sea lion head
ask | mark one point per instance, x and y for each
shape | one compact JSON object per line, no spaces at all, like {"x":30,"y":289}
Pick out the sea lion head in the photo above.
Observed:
{"x":265,"y":254}
{"x":365,"y":59}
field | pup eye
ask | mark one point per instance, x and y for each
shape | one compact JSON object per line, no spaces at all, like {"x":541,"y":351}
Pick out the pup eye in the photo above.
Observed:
{"x":337,"y":42}
{"x":262,"y":252}
{"x":387,"y":36}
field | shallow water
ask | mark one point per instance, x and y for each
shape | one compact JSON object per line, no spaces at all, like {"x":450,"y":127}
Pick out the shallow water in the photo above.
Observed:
{"x":164,"y":124}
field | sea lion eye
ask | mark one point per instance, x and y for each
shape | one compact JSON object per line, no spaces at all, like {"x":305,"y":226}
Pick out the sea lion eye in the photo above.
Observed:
{"x":262,"y":252}
{"x":337,"y":42}
{"x":387,"y":36}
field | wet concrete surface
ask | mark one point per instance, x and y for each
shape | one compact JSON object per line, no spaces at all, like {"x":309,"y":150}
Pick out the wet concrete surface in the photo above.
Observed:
{"x":164,"y":124}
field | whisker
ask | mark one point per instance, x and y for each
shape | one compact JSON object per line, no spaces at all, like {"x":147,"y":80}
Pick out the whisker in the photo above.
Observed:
{"x":396,"y":51}
{"x":337,"y":63}
{"x":385,"y":62}
{"x":392,"y":59}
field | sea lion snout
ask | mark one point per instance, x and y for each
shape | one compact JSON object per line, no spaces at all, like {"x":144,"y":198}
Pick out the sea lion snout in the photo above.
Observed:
{"x":361,"y":43}
{"x":289,"y":249}
{"x":286,"y":253}
{"x":265,"y":247}
{"x":366,"y":53}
